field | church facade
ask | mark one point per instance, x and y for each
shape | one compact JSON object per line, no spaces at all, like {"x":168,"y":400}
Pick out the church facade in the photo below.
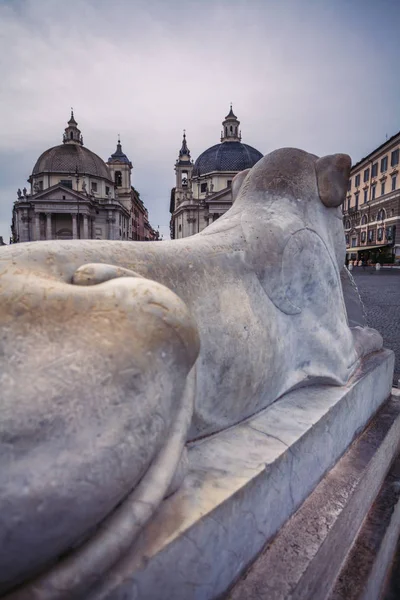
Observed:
{"x":74,"y":194}
{"x":202,"y":191}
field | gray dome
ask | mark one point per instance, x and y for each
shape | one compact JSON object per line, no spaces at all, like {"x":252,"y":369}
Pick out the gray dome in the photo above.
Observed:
{"x":119,"y":156}
{"x":67,"y":157}
{"x":227,"y":156}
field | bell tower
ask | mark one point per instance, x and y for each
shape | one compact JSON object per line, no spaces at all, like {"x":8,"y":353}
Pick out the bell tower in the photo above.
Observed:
{"x":230,"y":128}
{"x":121,"y":169}
{"x":183,"y":171}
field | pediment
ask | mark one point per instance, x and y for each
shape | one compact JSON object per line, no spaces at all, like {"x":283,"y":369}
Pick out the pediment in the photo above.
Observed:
{"x":224,"y":195}
{"x":59,"y":192}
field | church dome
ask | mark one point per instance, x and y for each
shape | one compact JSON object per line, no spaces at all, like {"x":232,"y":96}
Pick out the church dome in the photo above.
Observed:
{"x":66,"y":158}
{"x":226,"y":156}
{"x":71,"y":156}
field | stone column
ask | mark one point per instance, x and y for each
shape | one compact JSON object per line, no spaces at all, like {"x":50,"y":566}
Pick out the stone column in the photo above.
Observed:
{"x":111,"y":226}
{"x":195,"y":224}
{"x":85,"y":227}
{"x":74,"y":227}
{"x":37,"y":227}
{"x":26,"y":228}
{"x":49,"y":234}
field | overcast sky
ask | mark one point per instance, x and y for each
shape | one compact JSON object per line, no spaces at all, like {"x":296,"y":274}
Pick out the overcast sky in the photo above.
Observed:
{"x":321,"y":75}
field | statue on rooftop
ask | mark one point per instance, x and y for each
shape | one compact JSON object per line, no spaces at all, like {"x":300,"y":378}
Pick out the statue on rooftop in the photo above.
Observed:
{"x":115,"y":355}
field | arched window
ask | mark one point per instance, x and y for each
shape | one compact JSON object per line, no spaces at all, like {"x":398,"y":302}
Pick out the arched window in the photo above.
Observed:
{"x":381,"y":214}
{"x":118,"y":178}
{"x":231,"y":129}
{"x":364,"y":220}
{"x":71,"y":135}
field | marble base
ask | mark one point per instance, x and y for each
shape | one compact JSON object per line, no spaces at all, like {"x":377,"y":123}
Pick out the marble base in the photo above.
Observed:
{"x":243,"y":485}
{"x":342,"y":538}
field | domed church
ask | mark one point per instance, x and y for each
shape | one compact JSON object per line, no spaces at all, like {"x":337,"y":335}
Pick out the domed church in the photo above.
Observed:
{"x":74,"y":194}
{"x":203,"y":189}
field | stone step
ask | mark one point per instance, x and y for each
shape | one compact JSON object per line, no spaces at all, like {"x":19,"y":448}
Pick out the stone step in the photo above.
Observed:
{"x":305,"y":558}
{"x":365,"y":572}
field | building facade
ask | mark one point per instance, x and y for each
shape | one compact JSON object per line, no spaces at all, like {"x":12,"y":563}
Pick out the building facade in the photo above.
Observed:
{"x":202,"y":191}
{"x":371,"y":212}
{"x":74,"y":194}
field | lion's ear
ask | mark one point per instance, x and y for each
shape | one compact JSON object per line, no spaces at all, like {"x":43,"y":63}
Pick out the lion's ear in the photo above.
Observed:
{"x":237,"y":183}
{"x":333,"y":174}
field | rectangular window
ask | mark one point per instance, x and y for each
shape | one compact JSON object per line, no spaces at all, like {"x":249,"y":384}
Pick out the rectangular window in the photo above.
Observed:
{"x":347,"y":239}
{"x":348,"y":203}
{"x":366,"y":175}
{"x":107,"y":190}
{"x":365,"y":196}
{"x":374,"y":170}
{"x":371,"y":235}
{"x":380,"y":234}
{"x":66,"y":183}
{"x":203,"y":188}
{"x":383,"y":188}
{"x":353,"y":242}
{"x":93,"y":186}
{"x":349,"y":185}
{"x":229,"y":183}
{"x":394,"y":160}
{"x":356,"y":200}
{"x":393,"y":183}
{"x":373,"y":192}
{"x":357,"y":183}
{"x":384,"y":164}
{"x":363,"y":236}
{"x":389,"y":233}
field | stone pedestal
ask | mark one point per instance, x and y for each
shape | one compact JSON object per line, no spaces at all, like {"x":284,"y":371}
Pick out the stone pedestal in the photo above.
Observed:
{"x":244,"y":484}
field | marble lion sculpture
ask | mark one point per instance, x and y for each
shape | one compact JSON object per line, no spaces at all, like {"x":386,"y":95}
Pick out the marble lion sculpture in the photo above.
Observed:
{"x":114,"y":355}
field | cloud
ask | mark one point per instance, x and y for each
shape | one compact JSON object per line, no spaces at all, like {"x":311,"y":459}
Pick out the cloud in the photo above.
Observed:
{"x":315,"y":75}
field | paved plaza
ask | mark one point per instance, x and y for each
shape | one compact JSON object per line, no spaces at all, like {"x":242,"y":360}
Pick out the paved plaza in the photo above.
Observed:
{"x":380,"y":293}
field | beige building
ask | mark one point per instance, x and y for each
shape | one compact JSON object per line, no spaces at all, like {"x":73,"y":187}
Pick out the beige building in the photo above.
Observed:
{"x":74,"y":194}
{"x":371,"y":213}
{"x":202,"y":191}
